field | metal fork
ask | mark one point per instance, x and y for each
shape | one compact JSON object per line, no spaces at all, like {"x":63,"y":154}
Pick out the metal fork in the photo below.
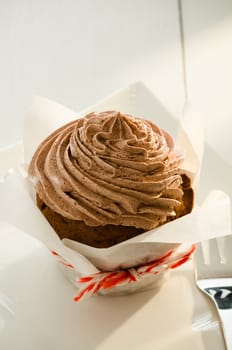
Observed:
{"x":213,"y":272}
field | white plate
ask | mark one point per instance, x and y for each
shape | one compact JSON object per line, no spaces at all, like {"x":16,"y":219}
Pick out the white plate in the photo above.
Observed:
{"x":37,"y":310}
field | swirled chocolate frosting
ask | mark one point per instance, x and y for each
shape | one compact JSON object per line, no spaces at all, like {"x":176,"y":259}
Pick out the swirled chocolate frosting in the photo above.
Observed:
{"x":109,"y":168}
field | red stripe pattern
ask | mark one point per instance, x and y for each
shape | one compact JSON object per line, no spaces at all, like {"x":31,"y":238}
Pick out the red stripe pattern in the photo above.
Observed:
{"x":90,"y":285}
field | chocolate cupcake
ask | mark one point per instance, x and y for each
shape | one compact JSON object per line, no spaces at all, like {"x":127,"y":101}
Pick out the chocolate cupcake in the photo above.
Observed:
{"x":107,"y":177}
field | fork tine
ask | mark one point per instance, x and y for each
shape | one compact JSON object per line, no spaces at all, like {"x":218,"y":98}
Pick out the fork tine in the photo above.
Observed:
{"x":199,"y":254}
{"x":221,"y":243}
{"x":214,"y":255}
{"x":228,"y":249}
{"x":199,"y":260}
{"x":205,"y":252}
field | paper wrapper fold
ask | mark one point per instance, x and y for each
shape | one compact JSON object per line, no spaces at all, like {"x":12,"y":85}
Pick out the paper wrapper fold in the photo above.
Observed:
{"x":211,"y":219}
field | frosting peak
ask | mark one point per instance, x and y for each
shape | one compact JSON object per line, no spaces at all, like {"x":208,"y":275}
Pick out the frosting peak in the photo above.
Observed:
{"x":109,"y":168}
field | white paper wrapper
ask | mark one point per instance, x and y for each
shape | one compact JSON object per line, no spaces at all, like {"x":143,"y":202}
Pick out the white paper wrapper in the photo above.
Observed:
{"x":212,"y":219}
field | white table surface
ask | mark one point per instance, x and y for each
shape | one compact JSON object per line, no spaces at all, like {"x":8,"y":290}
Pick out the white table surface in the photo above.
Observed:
{"x":37,"y":310}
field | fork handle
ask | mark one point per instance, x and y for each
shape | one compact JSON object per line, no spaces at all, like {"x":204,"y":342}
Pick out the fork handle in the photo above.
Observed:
{"x":222,"y":297}
{"x":226,"y":321}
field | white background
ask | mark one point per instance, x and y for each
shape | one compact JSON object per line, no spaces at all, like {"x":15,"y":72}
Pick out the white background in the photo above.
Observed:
{"x":78,"y":51}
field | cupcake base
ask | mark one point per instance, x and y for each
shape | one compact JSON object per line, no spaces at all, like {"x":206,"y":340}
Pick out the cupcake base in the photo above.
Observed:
{"x":95,"y":236}
{"x":108,"y":235}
